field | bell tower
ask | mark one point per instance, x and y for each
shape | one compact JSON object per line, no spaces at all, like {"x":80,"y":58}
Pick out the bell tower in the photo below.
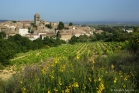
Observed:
{"x":37,"y":19}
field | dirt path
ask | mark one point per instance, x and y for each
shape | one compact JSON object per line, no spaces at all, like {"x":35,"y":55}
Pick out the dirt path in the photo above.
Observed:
{"x":7,"y":73}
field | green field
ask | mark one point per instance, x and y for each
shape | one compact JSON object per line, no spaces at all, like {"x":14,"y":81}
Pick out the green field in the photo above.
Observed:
{"x":98,"y":67}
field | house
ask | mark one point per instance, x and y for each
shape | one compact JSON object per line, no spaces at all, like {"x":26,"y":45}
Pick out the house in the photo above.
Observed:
{"x":47,"y":35}
{"x":4,"y":28}
{"x":11,"y":34}
{"x":129,"y":30}
{"x":23,"y":32}
{"x":32,"y":36}
{"x":77,"y":33}
{"x":65,"y":35}
{"x":99,"y":31}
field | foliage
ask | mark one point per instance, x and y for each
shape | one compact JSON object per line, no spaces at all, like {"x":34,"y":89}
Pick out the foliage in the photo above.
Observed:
{"x":60,"y":26}
{"x":48,"y":26}
{"x":7,"y":51}
{"x":133,"y":43}
{"x":33,"y":24}
{"x":2,"y":35}
{"x":70,"y":24}
{"x":81,"y":38}
{"x":14,"y":21}
{"x":76,"y":74}
{"x":24,"y":44}
{"x":30,"y":30}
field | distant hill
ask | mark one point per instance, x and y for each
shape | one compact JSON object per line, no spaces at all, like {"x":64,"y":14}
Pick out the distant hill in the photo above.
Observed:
{"x":3,"y":20}
{"x":106,"y":22}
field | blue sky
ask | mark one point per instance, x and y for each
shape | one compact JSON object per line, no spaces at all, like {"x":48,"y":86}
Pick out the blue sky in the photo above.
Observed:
{"x":71,"y":10}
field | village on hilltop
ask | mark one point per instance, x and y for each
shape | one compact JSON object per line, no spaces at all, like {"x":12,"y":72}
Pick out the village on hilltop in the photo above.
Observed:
{"x":38,"y":29}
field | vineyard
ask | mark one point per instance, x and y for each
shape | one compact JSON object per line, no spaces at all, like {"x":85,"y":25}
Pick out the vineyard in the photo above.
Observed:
{"x":98,"y":67}
{"x":90,"y":49}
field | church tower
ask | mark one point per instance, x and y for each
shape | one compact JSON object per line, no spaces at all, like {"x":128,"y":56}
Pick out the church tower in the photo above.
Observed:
{"x":37,"y":19}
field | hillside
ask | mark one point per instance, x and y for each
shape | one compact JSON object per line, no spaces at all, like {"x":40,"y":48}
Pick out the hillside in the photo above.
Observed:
{"x":82,"y":67}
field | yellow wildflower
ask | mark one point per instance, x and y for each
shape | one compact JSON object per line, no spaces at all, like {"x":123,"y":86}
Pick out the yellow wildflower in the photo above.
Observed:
{"x":48,"y":91}
{"x":90,"y":79}
{"x":75,"y":85}
{"x":43,"y":71}
{"x":101,"y":88}
{"x":99,"y":79}
{"x":67,"y":90}
{"x":21,"y":82}
{"x":77,"y":57}
{"x":124,"y":86}
{"x":55,"y":90}
{"x":93,"y":61}
{"x":59,"y":81}
{"x":115,"y":79}
{"x":125,"y":78}
{"x":23,"y":90}
{"x":84,"y":87}
{"x":112,"y":66}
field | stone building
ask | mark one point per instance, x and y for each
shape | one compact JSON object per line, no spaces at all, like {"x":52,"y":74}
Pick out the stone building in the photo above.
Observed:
{"x":37,"y":19}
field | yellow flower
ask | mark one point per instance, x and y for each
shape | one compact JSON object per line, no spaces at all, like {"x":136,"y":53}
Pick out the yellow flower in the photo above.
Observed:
{"x":101,"y":87}
{"x":43,"y":71}
{"x":84,"y":87}
{"x":59,"y":81}
{"x":21,"y":82}
{"x":125,"y":78}
{"x":75,"y":85}
{"x":115,"y":79}
{"x":23,"y":90}
{"x":112,"y":66}
{"x":93,"y":61}
{"x":90,"y":79}
{"x":124,"y":86}
{"x":48,"y":91}
{"x":51,"y":76}
{"x":77,"y":57}
{"x":67,"y":90}
{"x":99,"y":79}
{"x":55,"y":90}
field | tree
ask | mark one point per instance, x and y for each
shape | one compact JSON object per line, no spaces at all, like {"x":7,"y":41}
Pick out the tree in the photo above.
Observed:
{"x":14,"y":21}
{"x":30,"y":31}
{"x":7,"y":51}
{"x":134,"y":42}
{"x":34,"y":26}
{"x":60,"y":26}
{"x":70,"y":24}
{"x":58,"y":34}
{"x":38,"y":43}
{"x":24,"y":44}
{"x":2,"y":35}
{"x":48,"y":26}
